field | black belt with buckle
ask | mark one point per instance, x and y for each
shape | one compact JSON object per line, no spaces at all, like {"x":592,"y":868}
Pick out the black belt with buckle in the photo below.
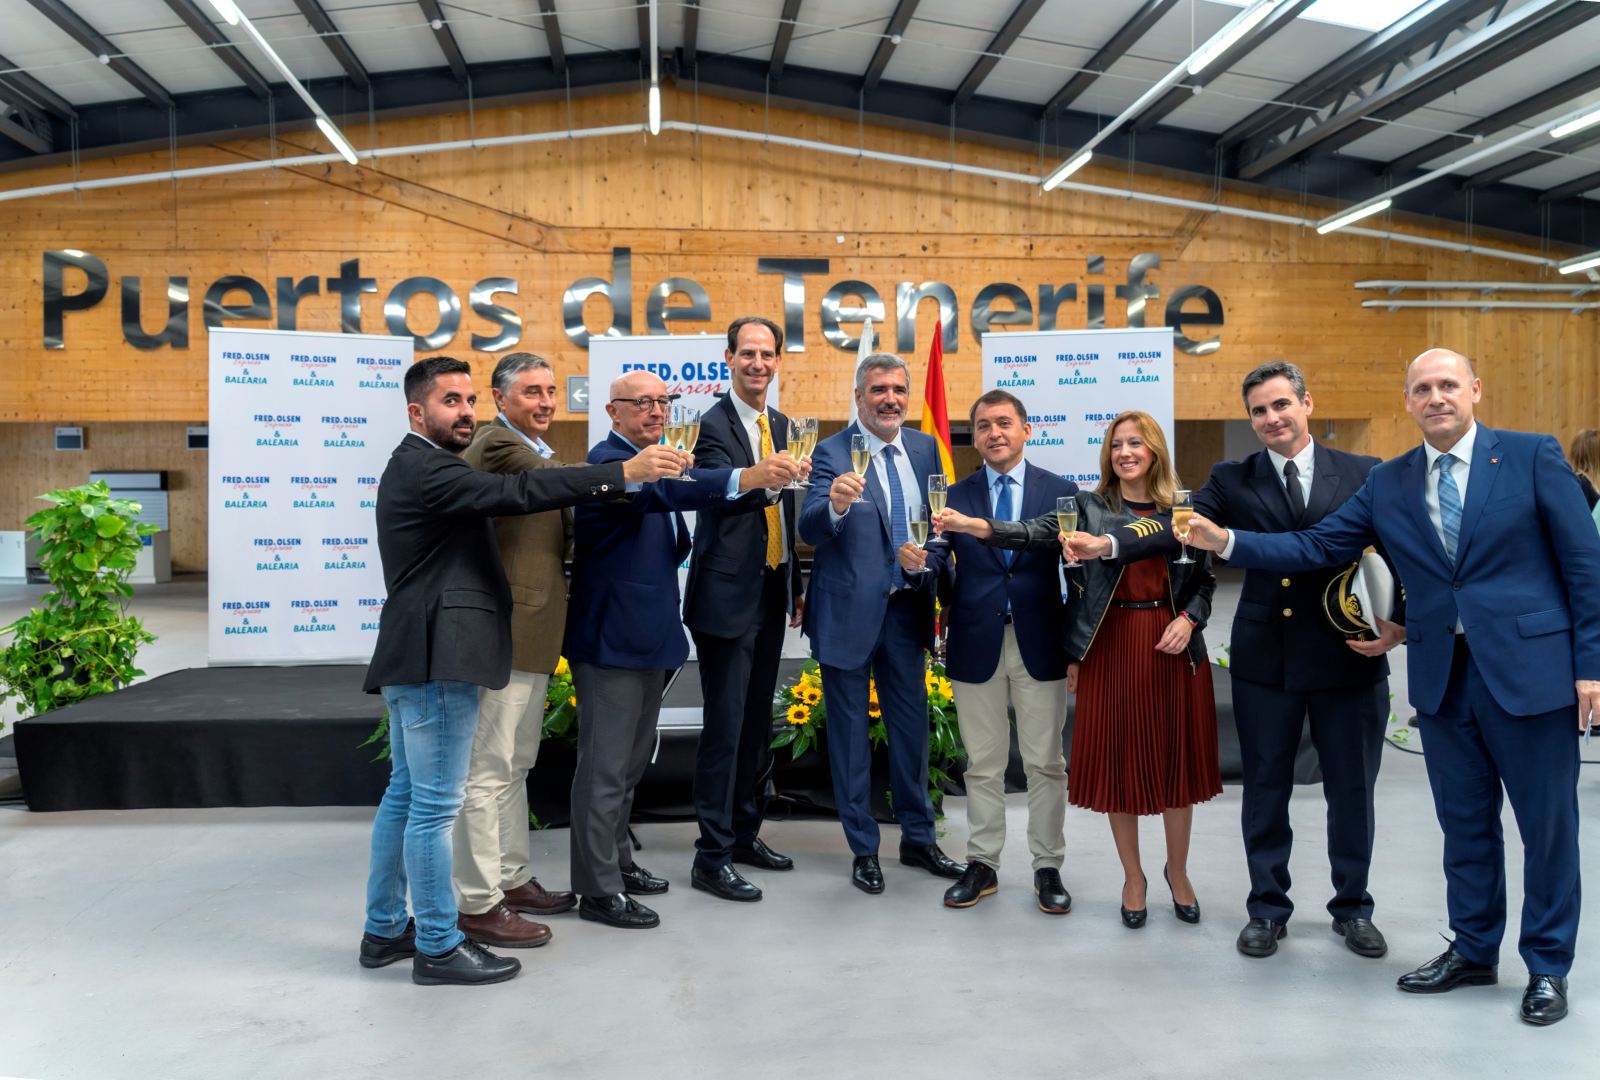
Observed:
{"x":1139,"y":603}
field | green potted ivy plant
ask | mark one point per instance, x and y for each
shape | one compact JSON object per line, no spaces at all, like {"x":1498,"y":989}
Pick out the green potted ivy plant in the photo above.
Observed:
{"x":80,"y":640}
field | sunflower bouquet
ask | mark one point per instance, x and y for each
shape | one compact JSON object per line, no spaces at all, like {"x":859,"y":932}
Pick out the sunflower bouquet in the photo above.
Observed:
{"x":561,"y":705}
{"x":800,"y":712}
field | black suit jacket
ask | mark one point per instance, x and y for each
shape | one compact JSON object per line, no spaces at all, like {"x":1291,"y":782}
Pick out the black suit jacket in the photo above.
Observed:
{"x":730,"y":541}
{"x":1297,"y":651}
{"x":448,"y":613}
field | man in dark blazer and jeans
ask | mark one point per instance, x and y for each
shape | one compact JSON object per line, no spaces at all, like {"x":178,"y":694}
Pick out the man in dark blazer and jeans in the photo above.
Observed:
{"x":445,"y":631}
{"x":743,"y":589}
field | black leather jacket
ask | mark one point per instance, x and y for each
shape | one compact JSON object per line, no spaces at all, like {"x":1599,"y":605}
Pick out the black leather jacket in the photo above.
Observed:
{"x":1190,"y":585}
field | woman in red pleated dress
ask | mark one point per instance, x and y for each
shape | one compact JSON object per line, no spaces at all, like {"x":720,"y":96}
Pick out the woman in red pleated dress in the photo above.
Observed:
{"x":1144,"y":738}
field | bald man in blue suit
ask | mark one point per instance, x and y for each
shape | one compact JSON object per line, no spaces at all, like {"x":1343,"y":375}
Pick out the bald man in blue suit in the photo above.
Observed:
{"x":1501,"y":566}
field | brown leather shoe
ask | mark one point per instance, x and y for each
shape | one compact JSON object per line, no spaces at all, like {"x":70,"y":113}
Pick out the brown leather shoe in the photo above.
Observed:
{"x":531,"y":898}
{"x":503,"y":927}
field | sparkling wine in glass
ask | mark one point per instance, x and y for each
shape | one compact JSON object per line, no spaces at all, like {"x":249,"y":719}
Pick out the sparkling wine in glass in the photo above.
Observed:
{"x":919,"y":527}
{"x":1182,"y":511}
{"x":802,"y":440}
{"x":1067,"y":519}
{"x":860,"y":457}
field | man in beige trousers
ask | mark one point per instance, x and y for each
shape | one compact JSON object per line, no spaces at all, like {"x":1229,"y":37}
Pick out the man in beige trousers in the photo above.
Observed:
{"x":491,"y":857}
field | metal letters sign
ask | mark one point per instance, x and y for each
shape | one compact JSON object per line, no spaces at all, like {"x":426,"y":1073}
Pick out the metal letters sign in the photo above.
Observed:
{"x":843,"y":306}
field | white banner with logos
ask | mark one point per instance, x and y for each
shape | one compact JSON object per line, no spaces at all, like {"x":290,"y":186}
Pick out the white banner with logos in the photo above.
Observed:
{"x":1074,"y":381}
{"x":692,"y":366}
{"x":302,"y":426}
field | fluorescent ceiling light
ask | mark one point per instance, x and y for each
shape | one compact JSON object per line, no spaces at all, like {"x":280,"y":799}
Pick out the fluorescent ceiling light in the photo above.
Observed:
{"x":1371,"y":15}
{"x":1054,"y":179}
{"x":336,"y":137}
{"x":1350,"y":217}
{"x":1561,"y":131}
{"x":1582,"y":262}
{"x":1231,"y":35}
{"x":655,"y":109}
{"x":228,"y":10}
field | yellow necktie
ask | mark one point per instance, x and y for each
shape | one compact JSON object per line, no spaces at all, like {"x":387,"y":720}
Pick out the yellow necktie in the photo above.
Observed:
{"x":774,"y":518}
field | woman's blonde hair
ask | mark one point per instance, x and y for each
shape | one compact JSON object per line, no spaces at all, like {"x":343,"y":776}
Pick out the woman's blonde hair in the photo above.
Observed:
{"x":1584,"y":453}
{"x":1162,"y":482}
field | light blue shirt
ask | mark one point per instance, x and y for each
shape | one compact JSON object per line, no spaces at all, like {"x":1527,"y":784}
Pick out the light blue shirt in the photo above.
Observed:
{"x":993,"y":477}
{"x":537,"y":445}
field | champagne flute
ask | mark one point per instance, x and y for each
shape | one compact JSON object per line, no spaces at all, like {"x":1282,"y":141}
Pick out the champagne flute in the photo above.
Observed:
{"x":860,"y":457}
{"x":938,"y":495}
{"x":1182,"y":511}
{"x":688,"y":432}
{"x":919,"y":527}
{"x":1067,"y":520}
{"x":802,"y":440}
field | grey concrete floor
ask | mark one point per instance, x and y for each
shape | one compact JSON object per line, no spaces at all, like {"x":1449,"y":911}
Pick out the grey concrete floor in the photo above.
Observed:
{"x":221,"y":943}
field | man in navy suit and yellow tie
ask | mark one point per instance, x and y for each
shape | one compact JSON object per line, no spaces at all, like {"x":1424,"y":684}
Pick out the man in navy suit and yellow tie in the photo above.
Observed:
{"x":1501,"y":565}
{"x":1006,"y":646}
{"x":869,"y":614}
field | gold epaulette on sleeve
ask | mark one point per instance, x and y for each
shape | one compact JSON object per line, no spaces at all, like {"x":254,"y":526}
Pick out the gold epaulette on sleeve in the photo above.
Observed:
{"x":1144,"y":528}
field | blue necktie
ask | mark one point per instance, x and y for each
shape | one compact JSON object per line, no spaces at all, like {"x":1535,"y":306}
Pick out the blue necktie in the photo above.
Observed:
{"x":1449,"y":505}
{"x":898,"y":531}
{"x":1002,"y":511}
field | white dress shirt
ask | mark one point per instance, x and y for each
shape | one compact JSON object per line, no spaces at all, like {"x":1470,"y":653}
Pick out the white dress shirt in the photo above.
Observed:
{"x":1304,"y":461}
{"x":915,"y":497}
{"x":748,"y":418}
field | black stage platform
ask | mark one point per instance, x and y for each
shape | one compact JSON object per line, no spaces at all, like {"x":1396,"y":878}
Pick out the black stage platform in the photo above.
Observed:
{"x":291,"y":736}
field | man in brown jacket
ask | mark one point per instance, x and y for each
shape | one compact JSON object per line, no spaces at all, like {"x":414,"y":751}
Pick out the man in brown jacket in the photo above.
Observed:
{"x":491,"y":867}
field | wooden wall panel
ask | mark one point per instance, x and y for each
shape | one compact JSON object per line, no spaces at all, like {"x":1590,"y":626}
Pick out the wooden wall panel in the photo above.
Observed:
{"x":34,"y":466}
{"x":707,"y":208}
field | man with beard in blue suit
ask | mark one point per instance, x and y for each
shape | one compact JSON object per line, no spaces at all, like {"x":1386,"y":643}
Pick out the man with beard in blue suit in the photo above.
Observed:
{"x":869,"y":614}
{"x":1501,"y":565}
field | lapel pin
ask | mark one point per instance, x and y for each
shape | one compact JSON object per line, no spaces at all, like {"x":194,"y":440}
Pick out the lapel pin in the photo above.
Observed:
{"x":1494,"y":461}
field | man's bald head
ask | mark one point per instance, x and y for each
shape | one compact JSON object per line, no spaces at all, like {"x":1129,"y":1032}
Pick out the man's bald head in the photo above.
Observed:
{"x":1433,"y":356}
{"x":1441,"y":390}
{"x":641,"y":427}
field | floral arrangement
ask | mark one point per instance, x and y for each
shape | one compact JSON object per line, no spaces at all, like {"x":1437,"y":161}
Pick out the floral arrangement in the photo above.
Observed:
{"x":561,"y":705}
{"x":802,"y":711}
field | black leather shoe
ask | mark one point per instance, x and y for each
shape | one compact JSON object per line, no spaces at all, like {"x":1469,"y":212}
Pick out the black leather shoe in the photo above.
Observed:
{"x":977,"y":881}
{"x":468,"y":964}
{"x":1133,"y":920}
{"x":1545,"y":999}
{"x":621,"y":911}
{"x":1054,"y":899}
{"x":379,"y":951}
{"x":1447,"y":971}
{"x":637,"y":881}
{"x":1189,"y":913}
{"x":866,"y":874}
{"x":1361,"y":937}
{"x":724,"y":882}
{"x":1260,"y":937}
{"x":759,"y":854}
{"x":931,"y":859}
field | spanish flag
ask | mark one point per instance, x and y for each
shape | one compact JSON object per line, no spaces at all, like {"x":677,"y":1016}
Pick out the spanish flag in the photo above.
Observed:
{"x":935,"y":414}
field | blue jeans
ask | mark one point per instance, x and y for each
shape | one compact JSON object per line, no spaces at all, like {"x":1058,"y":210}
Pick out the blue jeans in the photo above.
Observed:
{"x":431,"y":726}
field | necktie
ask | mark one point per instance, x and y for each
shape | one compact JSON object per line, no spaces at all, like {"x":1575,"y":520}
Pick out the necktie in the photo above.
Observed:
{"x":1003,"y":511}
{"x":773,"y":516}
{"x":1449,"y":505}
{"x":1291,"y":487}
{"x":899,"y":532}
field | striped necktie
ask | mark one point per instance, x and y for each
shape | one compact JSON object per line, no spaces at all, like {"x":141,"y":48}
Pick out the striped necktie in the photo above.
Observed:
{"x":1449,"y":505}
{"x":773,"y":516}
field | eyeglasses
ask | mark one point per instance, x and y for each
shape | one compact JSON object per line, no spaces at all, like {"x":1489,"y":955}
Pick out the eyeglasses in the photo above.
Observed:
{"x":645,"y":404}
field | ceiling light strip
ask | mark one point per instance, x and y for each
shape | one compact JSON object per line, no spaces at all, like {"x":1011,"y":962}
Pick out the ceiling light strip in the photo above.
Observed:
{"x":1028,"y":179}
{"x":1483,"y":305}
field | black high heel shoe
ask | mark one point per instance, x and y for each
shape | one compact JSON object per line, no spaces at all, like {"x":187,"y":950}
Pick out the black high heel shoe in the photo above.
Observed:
{"x":1133,"y":920}
{"x":1189,"y":913}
